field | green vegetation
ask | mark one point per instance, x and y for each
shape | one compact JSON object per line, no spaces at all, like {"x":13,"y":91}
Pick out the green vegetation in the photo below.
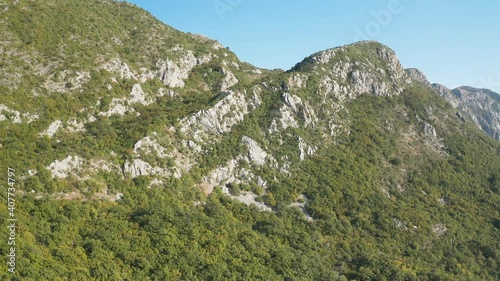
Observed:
{"x":158,"y":234}
{"x":387,"y":203}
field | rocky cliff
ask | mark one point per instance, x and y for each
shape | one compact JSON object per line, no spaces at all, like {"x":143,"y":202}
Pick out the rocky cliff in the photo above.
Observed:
{"x":482,"y":106}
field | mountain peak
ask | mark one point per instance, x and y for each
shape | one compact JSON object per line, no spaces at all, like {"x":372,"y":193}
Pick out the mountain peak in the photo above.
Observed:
{"x":481,"y":105}
{"x":477,"y":91}
{"x":417,"y":75}
{"x":362,"y":50}
{"x":365,"y":66}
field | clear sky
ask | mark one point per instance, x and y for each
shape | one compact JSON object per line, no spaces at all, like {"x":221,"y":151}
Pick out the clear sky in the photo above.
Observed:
{"x":454,"y":42}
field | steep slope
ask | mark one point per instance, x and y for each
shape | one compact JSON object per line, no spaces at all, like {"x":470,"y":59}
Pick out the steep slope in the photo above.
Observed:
{"x":111,"y":66}
{"x":481,"y":105}
{"x":145,"y":153}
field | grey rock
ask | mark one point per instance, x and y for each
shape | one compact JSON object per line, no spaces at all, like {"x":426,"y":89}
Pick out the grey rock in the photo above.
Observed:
{"x":62,"y":169}
{"x":256,"y":155}
{"x":360,"y":76}
{"x":305,"y":149}
{"x":219,"y":119}
{"x":118,"y":67}
{"x":52,"y":129}
{"x":149,"y":145}
{"x":480,"y":105}
{"x":229,"y":81}
{"x":139,"y":167}
{"x":417,"y":75}
{"x":174,"y":73}
{"x":439,"y":229}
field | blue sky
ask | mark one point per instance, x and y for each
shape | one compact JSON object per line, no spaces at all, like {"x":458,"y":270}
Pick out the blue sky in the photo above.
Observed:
{"x":454,"y":42}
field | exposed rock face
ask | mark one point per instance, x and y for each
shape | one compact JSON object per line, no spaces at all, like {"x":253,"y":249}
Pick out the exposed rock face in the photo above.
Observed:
{"x":328,"y":86}
{"x":15,"y":116}
{"x":67,"y":81}
{"x":221,"y":176}
{"x":103,"y":165}
{"x":79,"y":167}
{"x":150,"y":148}
{"x":439,"y":229}
{"x":140,"y":167}
{"x":118,"y":67}
{"x":287,"y":119}
{"x":365,"y":82}
{"x":429,"y":130}
{"x":219,"y":119}
{"x":296,"y":81}
{"x":229,"y":81}
{"x":62,"y":169}
{"x":173,"y":74}
{"x":302,"y":206}
{"x":431,"y":137}
{"x":292,"y":101}
{"x":149,"y":145}
{"x":217,"y":46}
{"x":232,"y":173}
{"x":80,"y":79}
{"x":74,"y":126}
{"x":247,"y":198}
{"x":417,"y":75}
{"x":362,"y":75}
{"x":118,"y":107}
{"x":52,"y":129}
{"x":256,"y":154}
{"x":291,"y":112}
{"x":480,"y":105}
{"x":447,"y":94}
{"x":399,"y":224}
{"x":137,"y":95}
{"x":484,"y":105}
{"x":305,"y":149}
{"x":337,"y":76}
{"x":137,"y":168}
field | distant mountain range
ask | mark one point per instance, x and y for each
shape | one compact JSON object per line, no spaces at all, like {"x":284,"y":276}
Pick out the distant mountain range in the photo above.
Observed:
{"x":482,"y":106}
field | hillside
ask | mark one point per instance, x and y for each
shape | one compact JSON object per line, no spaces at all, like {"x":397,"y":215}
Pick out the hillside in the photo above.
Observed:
{"x":145,"y":153}
{"x":482,"y":106}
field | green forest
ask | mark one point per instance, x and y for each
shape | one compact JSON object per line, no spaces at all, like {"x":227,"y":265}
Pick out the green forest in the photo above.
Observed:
{"x":385,"y":203}
{"x":158,"y":234}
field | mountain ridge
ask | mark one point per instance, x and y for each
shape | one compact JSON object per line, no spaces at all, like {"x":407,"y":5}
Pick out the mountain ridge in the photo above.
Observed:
{"x":144,"y":153}
{"x":482,"y":106}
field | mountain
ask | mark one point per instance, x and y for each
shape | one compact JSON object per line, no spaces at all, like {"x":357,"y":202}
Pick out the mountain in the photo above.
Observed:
{"x":482,"y":106}
{"x":140,"y":152}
